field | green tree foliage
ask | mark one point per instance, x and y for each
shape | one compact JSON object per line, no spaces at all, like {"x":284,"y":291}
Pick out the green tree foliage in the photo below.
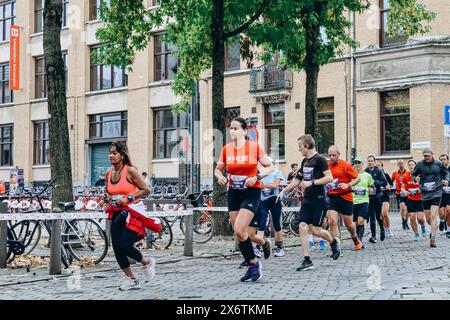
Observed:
{"x":129,"y":26}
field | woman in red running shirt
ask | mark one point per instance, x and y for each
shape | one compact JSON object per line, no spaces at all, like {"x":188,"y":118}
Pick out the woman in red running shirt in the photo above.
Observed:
{"x":241,"y":158}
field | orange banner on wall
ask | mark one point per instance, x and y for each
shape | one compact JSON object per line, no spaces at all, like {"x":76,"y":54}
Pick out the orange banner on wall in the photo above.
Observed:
{"x":14,"y":60}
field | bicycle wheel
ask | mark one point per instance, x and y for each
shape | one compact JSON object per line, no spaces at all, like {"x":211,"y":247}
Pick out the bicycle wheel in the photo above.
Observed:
{"x":202,"y":227}
{"x":286,"y":225}
{"x":9,"y":253}
{"x":29,"y":232}
{"x":85,"y":238}
{"x":163,"y":239}
{"x":294,"y":223}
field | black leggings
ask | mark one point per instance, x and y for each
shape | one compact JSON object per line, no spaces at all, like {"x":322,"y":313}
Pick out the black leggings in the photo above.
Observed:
{"x":275,"y":210}
{"x":123,"y":241}
{"x":375,"y":207}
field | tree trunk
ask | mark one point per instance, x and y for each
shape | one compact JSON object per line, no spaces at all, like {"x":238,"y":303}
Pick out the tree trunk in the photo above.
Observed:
{"x":60,"y":160}
{"x":218,"y":111}
{"x":312,"y":75}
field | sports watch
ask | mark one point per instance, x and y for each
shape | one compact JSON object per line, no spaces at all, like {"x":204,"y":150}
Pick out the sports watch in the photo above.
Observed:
{"x":130,"y":198}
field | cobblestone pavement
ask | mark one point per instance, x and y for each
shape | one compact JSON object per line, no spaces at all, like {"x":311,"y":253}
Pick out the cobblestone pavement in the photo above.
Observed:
{"x":397,"y":268}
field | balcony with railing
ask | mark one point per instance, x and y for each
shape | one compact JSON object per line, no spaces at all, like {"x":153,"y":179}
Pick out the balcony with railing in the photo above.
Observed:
{"x":270,"y":78}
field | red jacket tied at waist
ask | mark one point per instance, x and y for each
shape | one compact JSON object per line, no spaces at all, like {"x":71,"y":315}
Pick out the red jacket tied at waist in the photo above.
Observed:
{"x":136,"y":220}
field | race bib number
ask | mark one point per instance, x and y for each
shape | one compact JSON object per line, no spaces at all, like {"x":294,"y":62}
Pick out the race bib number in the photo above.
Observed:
{"x":429,"y":186}
{"x":238,"y":182}
{"x":446,"y":190}
{"x":360,"y":191}
{"x":403,"y":194}
{"x":414,"y":191}
{"x":268,"y":192}
{"x":333,"y":186}
{"x":308,"y":174}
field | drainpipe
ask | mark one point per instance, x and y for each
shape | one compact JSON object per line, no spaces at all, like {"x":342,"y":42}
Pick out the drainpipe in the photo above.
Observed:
{"x":352,"y":88}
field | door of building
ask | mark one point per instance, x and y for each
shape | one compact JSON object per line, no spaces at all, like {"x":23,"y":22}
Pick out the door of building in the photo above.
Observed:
{"x":99,"y":160}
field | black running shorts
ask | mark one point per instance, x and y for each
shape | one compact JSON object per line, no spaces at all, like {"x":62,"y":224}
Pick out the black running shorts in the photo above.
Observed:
{"x":313,"y":210}
{"x":445,"y":200}
{"x":432,"y":202}
{"x":361,"y":210}
{"x":342,"y":206}
{"x":249,"y":199}
{"x":414,"y":206}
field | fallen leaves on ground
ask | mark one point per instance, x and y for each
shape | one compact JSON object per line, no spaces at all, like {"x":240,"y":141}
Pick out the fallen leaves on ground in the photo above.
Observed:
{"x":84,"y":262}
{"x":28,"y":262}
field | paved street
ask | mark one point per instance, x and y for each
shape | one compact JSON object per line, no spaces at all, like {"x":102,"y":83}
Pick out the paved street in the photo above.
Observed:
{"x":398,"y":268}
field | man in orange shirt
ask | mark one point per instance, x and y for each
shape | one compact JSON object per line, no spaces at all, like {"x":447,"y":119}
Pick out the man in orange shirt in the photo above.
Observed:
{"x":2,"y":188}
{"x":398,"y":178}
{"x":340,"y":197}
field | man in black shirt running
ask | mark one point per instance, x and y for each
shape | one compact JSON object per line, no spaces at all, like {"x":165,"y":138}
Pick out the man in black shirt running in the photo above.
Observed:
{"x":312,"y":176}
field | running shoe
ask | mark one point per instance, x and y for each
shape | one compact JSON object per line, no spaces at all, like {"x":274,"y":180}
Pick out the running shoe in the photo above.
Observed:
{"x":382,"y":235}
{"x":424,"y":231}
{"x":267,"y":249}
{"x":335,"y":249}
{"x":358,"y":245}
{"x":322,"y":245}
{"x":441,"y":226}
{"x":279,"y":252}
{"x":448,"y":234}
{"x":372,"y":240}
{"x":130,"y":284}
{"x":417,"y":237}
{"x":311,"y":245}
{"x":243,"y":264}
{"x":248,"y":274}
{"x":256,"y":271}
{"x":257,"y":251}
{"x":306,"y":265}
{"x":433,"y":244}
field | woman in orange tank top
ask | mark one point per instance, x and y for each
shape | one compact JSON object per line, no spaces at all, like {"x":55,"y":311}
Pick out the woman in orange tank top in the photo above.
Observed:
{"x":125,"y":186}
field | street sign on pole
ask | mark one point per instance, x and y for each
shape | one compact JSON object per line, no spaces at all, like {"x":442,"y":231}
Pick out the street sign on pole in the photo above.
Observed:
{"x":447,"y":130}
{"x":447,"y":115}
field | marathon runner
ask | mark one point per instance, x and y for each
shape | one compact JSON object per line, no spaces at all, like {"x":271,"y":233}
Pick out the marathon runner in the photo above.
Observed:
{"x":432,"y":176}
{"x":375,"y":195}
{"x":313,"y":175}
{"x":444,"y":208}
{"x":241,"y":158}
{"x":385,"y":202}
{"x":361,"y":197}
{"x":269,"y":192}
{"x":398,"y":177}
{"x":340,"y":196}
{"x":124,"y":186}
{"x":414,"y":202}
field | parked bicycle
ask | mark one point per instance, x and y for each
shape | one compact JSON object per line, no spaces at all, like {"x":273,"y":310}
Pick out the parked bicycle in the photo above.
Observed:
{"x":80,"y":238}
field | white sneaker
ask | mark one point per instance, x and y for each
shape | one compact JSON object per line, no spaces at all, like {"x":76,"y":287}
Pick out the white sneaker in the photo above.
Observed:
{"x":149,"y":270}
{"x":130,"y":284}
{"x":279,"y":252}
